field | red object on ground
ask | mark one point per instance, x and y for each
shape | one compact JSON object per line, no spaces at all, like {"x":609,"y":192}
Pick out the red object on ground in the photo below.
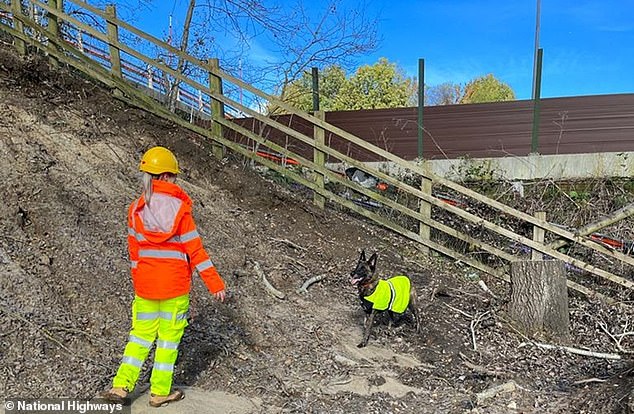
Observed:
{"x":617,"y":244}
{"x":276,"y":158}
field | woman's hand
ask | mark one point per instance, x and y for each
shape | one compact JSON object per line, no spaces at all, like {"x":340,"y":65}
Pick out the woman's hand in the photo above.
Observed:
{"x":220,"y":295}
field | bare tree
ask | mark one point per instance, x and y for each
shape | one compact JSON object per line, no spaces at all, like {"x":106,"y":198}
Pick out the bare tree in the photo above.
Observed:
{"x":295,"y":38}
{"x":171,"y":83}
{"x":337,"y":36}
{"x":444,"y":94}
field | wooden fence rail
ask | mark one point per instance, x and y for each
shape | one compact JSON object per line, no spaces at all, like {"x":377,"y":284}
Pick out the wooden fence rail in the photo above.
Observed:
{"x":212,"y":88}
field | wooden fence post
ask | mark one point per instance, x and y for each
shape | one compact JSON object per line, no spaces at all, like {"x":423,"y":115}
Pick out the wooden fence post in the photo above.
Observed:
{"x":425,"y":208}
{"x":54,"y":28}
{"x":319,"y":158}
{"x":538,"y":236}
{"x":16,"y":9}
{"x":113,"y":40}
{"x":217,"y":108}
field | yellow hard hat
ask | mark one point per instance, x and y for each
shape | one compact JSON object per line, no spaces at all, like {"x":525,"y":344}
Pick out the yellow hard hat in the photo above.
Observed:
{"x":158,"y":160}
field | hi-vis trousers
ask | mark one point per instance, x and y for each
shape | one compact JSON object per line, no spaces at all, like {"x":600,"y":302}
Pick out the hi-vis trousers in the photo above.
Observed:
{"x":166,"y":319}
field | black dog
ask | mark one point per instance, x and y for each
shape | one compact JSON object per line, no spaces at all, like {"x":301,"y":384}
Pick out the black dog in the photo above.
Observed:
{"x":394,"y":295}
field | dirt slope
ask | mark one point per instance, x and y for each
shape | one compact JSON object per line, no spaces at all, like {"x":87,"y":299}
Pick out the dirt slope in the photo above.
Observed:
{"x":69,"y":153}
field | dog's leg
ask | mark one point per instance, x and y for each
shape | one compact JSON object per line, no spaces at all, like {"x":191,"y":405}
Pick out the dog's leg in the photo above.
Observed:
{"x":413,"y":307}
{"x":416,"y":315}
{"x":367,"y":328}
{"x":391,"y":321}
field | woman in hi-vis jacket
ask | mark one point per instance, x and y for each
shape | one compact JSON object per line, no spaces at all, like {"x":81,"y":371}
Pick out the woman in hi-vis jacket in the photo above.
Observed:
{"x":165,"y":249}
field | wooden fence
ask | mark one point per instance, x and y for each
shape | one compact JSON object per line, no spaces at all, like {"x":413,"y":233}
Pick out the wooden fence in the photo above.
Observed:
{"x":206,"y":79}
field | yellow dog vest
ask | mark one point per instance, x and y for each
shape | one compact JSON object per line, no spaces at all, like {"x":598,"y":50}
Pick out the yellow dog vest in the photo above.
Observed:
{"x":392,"y":294}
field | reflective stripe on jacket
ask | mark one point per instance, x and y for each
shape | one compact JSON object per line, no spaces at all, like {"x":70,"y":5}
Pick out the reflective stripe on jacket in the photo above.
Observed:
{"x":165,"y":247}
{"x":392,"y":294}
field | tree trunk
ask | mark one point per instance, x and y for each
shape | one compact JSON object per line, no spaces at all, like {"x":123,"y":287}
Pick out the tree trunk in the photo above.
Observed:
{"x":172,"y":95}
{"x":539,"y":297}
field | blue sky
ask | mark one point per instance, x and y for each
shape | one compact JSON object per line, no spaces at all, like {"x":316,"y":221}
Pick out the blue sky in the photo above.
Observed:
{"x":588,"y":44}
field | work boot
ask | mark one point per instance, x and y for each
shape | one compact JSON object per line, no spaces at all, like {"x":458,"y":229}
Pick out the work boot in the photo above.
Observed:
{"x":116,"y":395}
{"x":163,"y":400}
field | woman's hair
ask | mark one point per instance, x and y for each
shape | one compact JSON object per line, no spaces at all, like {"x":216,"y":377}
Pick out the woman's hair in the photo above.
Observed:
{"x":147,"y":186}
{"x":147,"y":178}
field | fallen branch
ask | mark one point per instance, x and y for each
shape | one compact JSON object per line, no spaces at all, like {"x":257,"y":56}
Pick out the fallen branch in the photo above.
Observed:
{"x":475,"y":320}
{"x":563,"y":348}
{"x":587,"y":381}
{"x":473,"y":325}
{"x":115,"y":154}
{"x":292,"y":259}
{"x":267,"y":284}
{"x":480,"y":369}
{"x":91,"y":336}
{"x":314,"y":279}
{"x":459,"y":311}
{"x":494,"y":391}
{"x":484,"y":287}
{"x":341,"y":382}
{"x":616,"y":340}
{"x":289,"y":243}
{"x":575,"y":351}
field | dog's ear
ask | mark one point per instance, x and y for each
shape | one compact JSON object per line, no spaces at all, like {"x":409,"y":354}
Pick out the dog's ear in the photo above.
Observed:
{"x":372,"y":262}
{"x":362,"y":257}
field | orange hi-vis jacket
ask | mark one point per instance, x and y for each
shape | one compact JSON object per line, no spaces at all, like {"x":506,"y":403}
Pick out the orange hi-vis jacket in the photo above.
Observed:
{"x":165,"y":247}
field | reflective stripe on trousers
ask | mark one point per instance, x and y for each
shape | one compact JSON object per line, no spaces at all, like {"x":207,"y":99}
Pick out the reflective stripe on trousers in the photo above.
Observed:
{"x":165,"y":319}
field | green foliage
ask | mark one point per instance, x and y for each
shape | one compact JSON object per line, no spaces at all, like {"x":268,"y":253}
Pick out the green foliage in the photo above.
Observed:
{"x":628,"y":185}
{"x":385,"y":85}
{"x":381,"y":85}
{"x":482,"y":172}
{"x":551,"y":192}
{"x":482,"y":89}
{"x":472,"y":170}
{"x":279,"y":177}
{"x":579,"y":196}
{"x":487,"y":89}
{"x":621,"y":201}
{"x":300,"y":93}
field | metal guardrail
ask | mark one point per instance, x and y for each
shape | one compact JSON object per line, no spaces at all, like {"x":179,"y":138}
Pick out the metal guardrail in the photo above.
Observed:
{"x":145,"y":79}
{"x":142,"y":77}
